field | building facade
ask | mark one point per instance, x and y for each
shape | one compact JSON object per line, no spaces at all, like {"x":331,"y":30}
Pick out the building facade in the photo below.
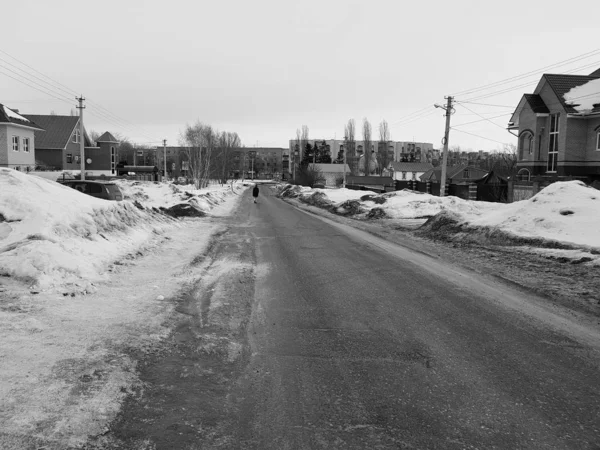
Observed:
{"x":17,"y":140}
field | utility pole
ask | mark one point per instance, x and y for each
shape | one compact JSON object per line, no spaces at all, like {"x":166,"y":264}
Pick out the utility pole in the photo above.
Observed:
{"x":165,"y":158}
{"x":449,"y":111}
{"x":81,"y":136}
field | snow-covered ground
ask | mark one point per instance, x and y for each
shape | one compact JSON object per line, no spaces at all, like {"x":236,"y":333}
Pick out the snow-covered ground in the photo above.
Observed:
{"x":81,"y":280}
{"x":564,"y":212}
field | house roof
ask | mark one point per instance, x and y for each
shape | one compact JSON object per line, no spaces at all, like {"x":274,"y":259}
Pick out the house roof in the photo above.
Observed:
{"x":595,"y":73}
{"x":59,"y":130}
{"x":335,"y":168}
{"x":399,"y":166}
{"x":7,"y":115}
{"x":435,"y":174}
{"x":107,"y":137}
{"x":536,"y":103}
{"x":561,"y":84}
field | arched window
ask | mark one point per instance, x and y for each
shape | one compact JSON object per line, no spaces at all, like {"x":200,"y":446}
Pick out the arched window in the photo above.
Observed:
{"x":524,"y":175}
{"x":525,"y":144}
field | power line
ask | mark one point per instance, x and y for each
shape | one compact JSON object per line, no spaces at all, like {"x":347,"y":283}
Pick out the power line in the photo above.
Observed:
{"x":530,"y":73}
{"x":37,"y":89}
{"x":476,"y":135}
{"x":485,"y":118}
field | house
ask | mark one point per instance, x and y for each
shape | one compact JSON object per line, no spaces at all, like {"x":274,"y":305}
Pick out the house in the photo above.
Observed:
{"x":102,"y":159}
{"x":558,"y":127}
{"x":461,"y":173}
{"x":17,"y":140}
{"x":408,"y":170}
{"x":57,"y":148}
{"x":332,"y":174}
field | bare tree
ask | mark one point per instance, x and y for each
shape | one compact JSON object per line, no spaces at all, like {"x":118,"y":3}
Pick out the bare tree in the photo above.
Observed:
{"x":199,"y":140}
{"x":508,"y":158}
{"x":383,"y":155}
{"x":350,"y":146}
{"x":222,"y":160}
{"x":297,"y":149}
{"x":367,"y":143}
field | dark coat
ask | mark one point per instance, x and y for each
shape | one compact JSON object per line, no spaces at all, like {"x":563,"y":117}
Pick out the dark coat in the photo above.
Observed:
{"x":255,"y":191}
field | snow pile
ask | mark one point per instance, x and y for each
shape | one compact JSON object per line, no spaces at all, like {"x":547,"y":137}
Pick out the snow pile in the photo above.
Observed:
{"x":564,"y":212}
{"x":165,"y":195}
{"x":567,"y":212}
{"x":52,"y":235}
{"x":584,"y":97}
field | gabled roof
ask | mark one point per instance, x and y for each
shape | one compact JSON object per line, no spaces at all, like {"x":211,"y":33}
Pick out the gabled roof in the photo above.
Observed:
{"x":399,"y":166}
{"x":107,"y":137}
{"x":59,"y":130}
{"x":561,"y":84}
{"x":435,"y":174}
{"x":536,"y":103}
{"x":7,"y":115}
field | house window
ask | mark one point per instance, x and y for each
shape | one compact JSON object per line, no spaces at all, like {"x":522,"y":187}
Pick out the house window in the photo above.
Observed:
{"x":553,"y":144}
{"x":404,"y":175}
{"x":414,"y":176}
{"x":26,"y":145}
{"x":140,"y":152}
{"x":69,"y":158}
{"x":598,"y":141}
{"x":112,"y":160}
{"x":76,"y":135}
{"x":525,"y":144}
{"x":15,"y":143}
{"x":466,"y":173}
{"x":77,"y":159}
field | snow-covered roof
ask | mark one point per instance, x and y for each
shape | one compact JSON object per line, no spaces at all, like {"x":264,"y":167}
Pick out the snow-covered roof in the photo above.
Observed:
{"x":585,"y":98}
{"x":7,"y":115}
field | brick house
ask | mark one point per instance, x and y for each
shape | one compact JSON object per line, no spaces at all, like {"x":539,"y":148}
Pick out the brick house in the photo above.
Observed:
{"x":17,"y":140}
{"x":58,"y":147}
{"x":557,"y":136}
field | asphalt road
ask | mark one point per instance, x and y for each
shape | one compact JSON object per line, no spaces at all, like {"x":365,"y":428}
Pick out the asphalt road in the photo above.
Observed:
{"x":357,"y":343}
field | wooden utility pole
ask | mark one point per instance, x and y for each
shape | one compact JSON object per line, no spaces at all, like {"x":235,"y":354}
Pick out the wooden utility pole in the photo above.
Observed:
{"x":345,"y":151}
{"x":449,"y":111}
{"x":165,"y":158}
{"x":81,"y":136}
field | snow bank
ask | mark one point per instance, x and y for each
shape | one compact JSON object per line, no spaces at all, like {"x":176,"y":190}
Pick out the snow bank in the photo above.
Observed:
{"x":566,"y":212}
{"x":52,"y":235}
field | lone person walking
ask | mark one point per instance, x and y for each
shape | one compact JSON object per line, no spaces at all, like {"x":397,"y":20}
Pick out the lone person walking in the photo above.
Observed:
{"x":255,"y":192}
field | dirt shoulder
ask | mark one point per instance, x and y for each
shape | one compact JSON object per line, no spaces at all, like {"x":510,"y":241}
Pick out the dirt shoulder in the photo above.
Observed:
{"x":564,"y":281}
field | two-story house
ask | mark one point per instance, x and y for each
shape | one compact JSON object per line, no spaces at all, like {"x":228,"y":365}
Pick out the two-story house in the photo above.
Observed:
{"x":58,"y":147}
{"x":558,"y":127}
{"x":17,"y":140}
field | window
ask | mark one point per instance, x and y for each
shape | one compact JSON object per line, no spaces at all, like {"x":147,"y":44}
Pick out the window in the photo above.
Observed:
{"x":525,"y":144}
{"x":553,"y":143}
{"x":77,"y":159}
{"x":140,"y":152}
{"x":414,"y":176}
{"x":76,"y":135}
{"x":69,"y":158}
{"x":112,"y":160}
{"x":466,"y":173}
{"x":15,"y":143}
{"x":404,"y":175}
{"x":26,"y":145}
{"x":598,"y":141}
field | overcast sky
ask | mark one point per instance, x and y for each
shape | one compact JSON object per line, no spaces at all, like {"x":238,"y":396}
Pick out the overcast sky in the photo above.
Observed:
{"x":264,"y":68}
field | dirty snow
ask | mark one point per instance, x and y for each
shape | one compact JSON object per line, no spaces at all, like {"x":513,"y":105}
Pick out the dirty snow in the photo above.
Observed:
{"x":64,"y":369}
{"x":567,"y":212}
{"x":584,"y":97}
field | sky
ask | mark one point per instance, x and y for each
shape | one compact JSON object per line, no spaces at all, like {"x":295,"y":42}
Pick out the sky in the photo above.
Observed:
{"x":149,"y":68}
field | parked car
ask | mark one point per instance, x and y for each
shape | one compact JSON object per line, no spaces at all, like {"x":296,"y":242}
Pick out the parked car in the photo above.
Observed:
{"x":99,"y":189}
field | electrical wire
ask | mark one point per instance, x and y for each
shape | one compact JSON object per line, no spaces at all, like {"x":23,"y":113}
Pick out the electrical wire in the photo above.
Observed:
{"x":481,"y":120}
{"x":485,"y":118}
{"x":476,"y":135}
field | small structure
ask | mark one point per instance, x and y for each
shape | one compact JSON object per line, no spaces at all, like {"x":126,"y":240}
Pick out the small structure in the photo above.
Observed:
{"x":142,"y":173}
{"x":408,"y":170}
{"x":332,"y":174}
{"x":102,"y":160}
{"x":17,"y":140}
